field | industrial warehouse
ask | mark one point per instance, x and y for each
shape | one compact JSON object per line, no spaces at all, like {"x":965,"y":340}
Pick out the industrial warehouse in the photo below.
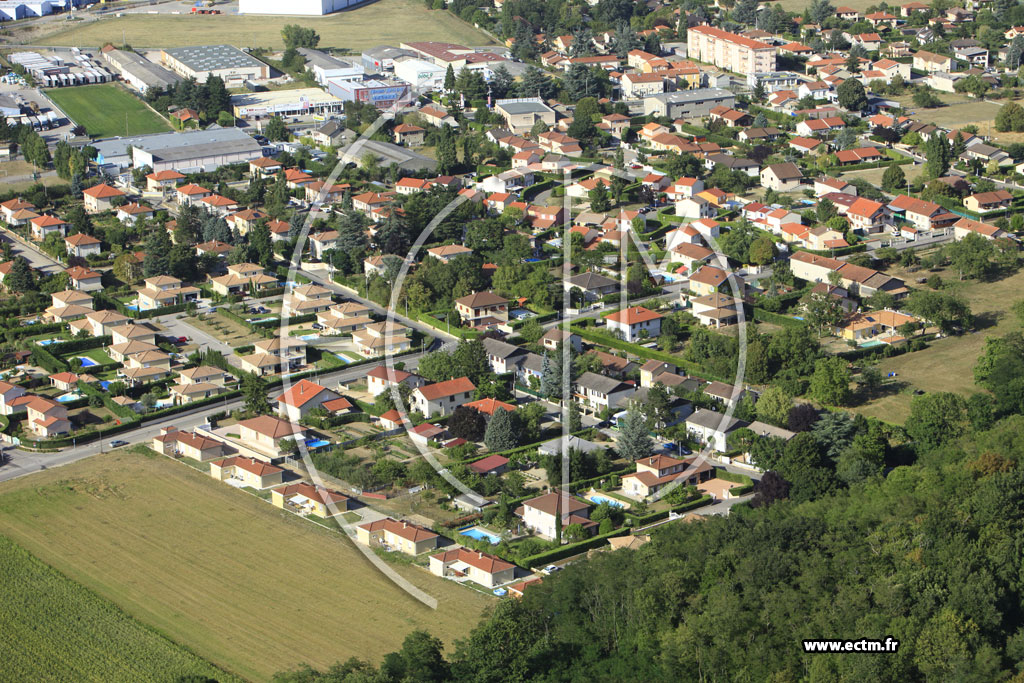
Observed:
{"x":300,"y":102}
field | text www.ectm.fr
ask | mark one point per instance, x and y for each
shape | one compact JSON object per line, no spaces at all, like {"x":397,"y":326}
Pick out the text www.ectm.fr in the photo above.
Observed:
{"x":889,"y":645}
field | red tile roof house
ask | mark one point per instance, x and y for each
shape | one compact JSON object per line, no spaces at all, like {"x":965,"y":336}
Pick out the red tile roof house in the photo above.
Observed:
{"x":634,"y":321}
{"x":306,"y":499}
{"x":85,"y":279}
{"x":264,"y":434}
{"x":394,"y":535}
{"x":381,"y":378}
{"x":541,"y":514}
{"x":654,"y":473}
{"x":172,"y":441}
{"x":82,"y":245}
{"x":492,"y":464}
{"x":239,"y":471}
{"x":303,"y":397}
{"x":65,"y":381}
{"x":99,"y":197}
{"x":481,"y":568}
{"x":45,"y":225}
{"x":46,"y":418}
{"x":161,"y":180}
{"x":442,"y":398}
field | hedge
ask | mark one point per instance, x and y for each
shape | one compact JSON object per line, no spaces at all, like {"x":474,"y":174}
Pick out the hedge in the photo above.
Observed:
{"x":608,"y":340}
{"x":61,"y":348}
{"x":737,"y":478}
{"x":535,"y":189}
{"x":763,"y":316}
{"x":47,"y":361}
{"x":841,"y":251}
{"x":32,"y":330}
{"x":635,"y":521}
{"x":440,"y":326}
{"x":570,"y":549}
{"x":117,"y":409}
{"x":868,"y":164}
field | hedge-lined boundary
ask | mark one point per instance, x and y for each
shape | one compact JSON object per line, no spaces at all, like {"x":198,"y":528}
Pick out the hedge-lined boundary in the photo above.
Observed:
{"x":736,"y":478}
{"x":763,"y":316}
{"x":635,"y":521}
{"x":643,"y":352}
{"x":569,"y":550}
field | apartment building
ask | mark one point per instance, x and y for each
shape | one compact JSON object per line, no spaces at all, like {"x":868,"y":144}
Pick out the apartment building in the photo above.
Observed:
{"x":729,"y":51}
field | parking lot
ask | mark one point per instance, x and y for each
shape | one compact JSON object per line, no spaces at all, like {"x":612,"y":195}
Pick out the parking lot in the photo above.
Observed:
{"x":30,"y":94}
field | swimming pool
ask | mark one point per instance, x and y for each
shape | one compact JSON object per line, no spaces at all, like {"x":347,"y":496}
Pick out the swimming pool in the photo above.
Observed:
{"x":611,"y":501}
{"x":87,"y":362}
{"x":480,"y":534}
{"x":343,"y":358}
{"x":68,"y":397}
{"x":47,"y":342}
{"x":105,"y":384}
{"x":309,"y":337}
{"x":317,"y":443}
{"x":871,"y":342}
{"x":131,"y":307}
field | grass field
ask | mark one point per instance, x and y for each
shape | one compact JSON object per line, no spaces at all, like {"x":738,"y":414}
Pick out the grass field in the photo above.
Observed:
{"x":247,"y":586}
{"x":960,"y":110}
{"x":386,"y":22}
{"x":948,"y":364}
{"x":42,"y":614}
{"x":102,"y":110}
{"x":874,"y":175}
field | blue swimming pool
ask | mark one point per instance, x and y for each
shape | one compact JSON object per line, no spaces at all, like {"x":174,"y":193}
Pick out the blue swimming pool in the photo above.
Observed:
{"x":87,"y":362}
{"x":317,"y":443}
{"x":343,"y":358}
{"x":869,"y":343}
{"x":309,"y":337}
{"x":131,"y":307}
{"x":105,"y":384}
{"x":47,"y":342}
{"x":69,"y":397}
{"x":611,"y":501}
{"x":480,"y":534}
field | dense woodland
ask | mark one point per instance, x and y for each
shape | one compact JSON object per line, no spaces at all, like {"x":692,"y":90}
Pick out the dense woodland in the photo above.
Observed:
{"x":930,"y":555}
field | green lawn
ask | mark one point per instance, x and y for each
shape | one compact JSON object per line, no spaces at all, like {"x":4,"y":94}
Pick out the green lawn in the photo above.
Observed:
{"x":98,"y":355}
{"x":107,"y":110}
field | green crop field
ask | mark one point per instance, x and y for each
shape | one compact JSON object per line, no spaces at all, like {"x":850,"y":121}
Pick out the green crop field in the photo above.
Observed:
{"x":60,"y":631}
{"x":243,"y":584}
{"x":107,"y":110}
{"x":386,"y":22}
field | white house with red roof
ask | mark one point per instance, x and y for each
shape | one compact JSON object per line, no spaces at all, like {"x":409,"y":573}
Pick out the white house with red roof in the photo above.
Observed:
{"x":462,"y":564}
{"x":46,"y":225}
{"x":867,"y":216}
{"x":264,"y":434}
{"x":306,"y":499}
{"x":442,"y":398}
{"x":635,"y":322}
{"x":541,"y":514}
{"x":658,"y":471}
{"x":240,"y":471}
{"x":46,"y":418}
{"x":302,"y":397}
{"x":394,"y":535}
{"x":100,"y":197}
{"x":82,"y":245}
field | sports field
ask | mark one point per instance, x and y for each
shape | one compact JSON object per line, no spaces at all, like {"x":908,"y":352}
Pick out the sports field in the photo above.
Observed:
{"x":107,"y":110}
{"x":242,"y":584}
{"x":386,"y":22}
{"x":42,"y":614}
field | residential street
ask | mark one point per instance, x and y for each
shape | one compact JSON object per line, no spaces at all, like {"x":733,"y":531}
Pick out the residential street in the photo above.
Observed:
{"x":22,"y":462}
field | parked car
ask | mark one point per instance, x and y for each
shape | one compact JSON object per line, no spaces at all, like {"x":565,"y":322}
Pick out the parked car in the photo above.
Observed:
{"x":182,"y":340}
{"x":551,"y":569}
{"x":118,"y":443}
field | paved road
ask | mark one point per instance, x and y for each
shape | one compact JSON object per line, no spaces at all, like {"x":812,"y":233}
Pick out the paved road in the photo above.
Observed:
{"x":21,"y":462}
{"x":36,"y":258}
{"x":176,"y":327}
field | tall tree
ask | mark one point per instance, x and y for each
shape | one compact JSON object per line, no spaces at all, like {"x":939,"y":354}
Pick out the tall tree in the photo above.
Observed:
{"x":502,"y":431}
{"x":634,"y":440}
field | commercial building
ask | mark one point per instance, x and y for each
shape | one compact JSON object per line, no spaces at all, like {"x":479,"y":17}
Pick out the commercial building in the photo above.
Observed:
{"x":300,"y":102}
{"x":522,"y":113}
{"x":383,"y":57}
{"x":729,"y":51}
{"x":226,"y":61}
{"x":185,"y":152}
{"x":420,"y":73}
{"x":323,"y":66}
{"x":688,"y":104}
{"x":299,"y":7}
{"x":381,"y":94}
{"x":456,"y":56}
{"x":139,"y":72}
